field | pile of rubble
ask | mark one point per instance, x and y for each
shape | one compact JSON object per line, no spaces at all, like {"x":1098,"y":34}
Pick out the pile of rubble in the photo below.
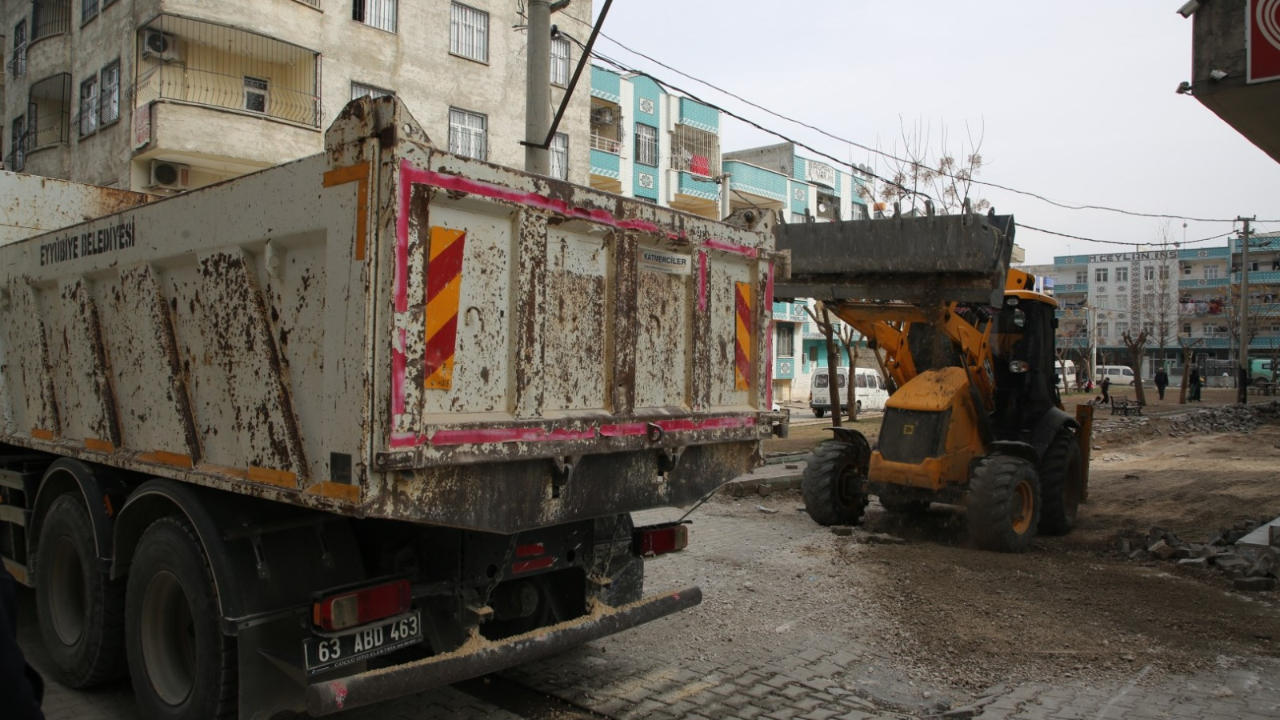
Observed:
{"x":1222,"y":419}
{"x":1249,"y":567}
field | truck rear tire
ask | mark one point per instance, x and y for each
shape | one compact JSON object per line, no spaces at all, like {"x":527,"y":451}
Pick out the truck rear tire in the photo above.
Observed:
{"x":1062,"y":485}
{"x":819,"y":412}
{"x":183,"y":667}
{"x":833,"y":484}
{"x":1004,"y":504}
{"x":81,"y":609}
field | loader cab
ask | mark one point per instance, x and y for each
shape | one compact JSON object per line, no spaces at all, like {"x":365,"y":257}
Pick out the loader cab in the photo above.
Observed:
{"x":1024,"y":363}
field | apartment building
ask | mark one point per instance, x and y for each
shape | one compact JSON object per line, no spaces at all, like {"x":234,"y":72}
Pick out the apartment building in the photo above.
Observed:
{"x":167,"y":95}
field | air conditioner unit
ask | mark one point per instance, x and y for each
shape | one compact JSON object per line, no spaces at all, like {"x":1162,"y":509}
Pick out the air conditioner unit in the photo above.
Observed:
{"x":602,"y":116}
{"x":170,"y":176}
{"x":160,"y":45}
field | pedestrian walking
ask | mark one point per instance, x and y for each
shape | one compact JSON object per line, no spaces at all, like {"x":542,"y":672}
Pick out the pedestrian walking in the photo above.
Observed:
{"x":1106,"y":388}
{"x":1162,"y":382}
{"x":1193,"y":383}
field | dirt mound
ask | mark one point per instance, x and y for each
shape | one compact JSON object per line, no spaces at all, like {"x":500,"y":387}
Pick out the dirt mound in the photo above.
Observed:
{"x":1222,"y":419}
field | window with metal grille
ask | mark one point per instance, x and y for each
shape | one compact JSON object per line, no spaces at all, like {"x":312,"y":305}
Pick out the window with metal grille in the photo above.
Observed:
{"x":16,"y":159}
{"x":786,"y":340}
{"x":560,"y":156}
{"x":467,"y":133}
{"x":18,"y":61}
{"x":88,"y":10}
{"x":560,"y":61}
{"x":695,"y":151}
{"x":376,"y":13}
{"x":469,"y":32}
{"x":255,"y":94}
{"x":109,"y":105}
{"x":646,"y":144}
{"x":89,"y":106}
{"x":358,"y":91}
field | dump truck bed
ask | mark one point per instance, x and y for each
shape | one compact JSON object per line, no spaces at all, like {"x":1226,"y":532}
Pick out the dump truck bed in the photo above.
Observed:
{"x":387,"y":330}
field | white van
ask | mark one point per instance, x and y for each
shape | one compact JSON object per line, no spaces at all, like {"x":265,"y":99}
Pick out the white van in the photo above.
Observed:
{"x":869,"y":388}
{"x":1066,"y":377}
{"x":1119,"y":374}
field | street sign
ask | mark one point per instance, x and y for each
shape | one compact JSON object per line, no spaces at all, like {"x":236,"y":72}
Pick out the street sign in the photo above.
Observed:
{"x":1262,"y":40}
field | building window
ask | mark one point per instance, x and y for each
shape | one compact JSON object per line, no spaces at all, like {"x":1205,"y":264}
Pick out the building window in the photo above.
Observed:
{"x":358,"y":91}
{"x":1104,"y":329}
{"x":1102,"y":301}
{"x":16,"y":160}
{"x":89,"y":106}
{"x":1122,"y":274}
{"x":1210,"y":272}
{"x":786,"y":340}
{"x":109,"y":108}
{"x":1121,"y":328}
{"x":646,"y":144}
{"x":1186,"y":328}
{"x":1100,"y":275}
{"x":1186,"y":269}
{"x":469,"y":32}
{"x":1082,"y":277}
{"x":467,"y":133}
{"x":560,"y":61}
{"x":695,"y":151}
{"x":375,"y":13}
{"x":18,"y":61}
{"x":560,"y":156}
{"x":255,"y":94}
{"x":88,"y":10}
{"x":1149,"y":272}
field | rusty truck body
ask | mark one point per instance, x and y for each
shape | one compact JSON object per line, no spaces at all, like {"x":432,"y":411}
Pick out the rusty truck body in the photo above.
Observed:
{"x":366,"y":422}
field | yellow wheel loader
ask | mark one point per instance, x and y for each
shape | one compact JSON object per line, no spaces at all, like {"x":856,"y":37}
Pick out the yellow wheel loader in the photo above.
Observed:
{"x":967,"y":346}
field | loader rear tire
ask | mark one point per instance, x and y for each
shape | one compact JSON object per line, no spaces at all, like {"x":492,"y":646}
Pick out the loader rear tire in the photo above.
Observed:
{"x":1004,"y":504}
{"x":1061,"y":484}
{"x":834,"y":485}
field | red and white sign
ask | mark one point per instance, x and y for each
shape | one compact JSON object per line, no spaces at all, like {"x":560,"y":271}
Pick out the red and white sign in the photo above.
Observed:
{"x":1262,"y":40}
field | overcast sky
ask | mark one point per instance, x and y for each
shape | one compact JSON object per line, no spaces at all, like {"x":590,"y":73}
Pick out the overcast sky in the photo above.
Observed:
{"x":1076,"y":98}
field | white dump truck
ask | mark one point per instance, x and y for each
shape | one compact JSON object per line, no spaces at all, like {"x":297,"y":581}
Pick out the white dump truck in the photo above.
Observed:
{"x":364,"y":423}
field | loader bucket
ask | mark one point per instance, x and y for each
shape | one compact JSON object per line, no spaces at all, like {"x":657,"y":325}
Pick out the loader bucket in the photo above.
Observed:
{"x":939,"y":258}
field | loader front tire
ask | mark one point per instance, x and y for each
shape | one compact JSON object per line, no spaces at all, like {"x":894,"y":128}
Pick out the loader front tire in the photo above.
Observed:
{"x":1061,"y":484}
{"x":834,"y":484}
{"x":1004,"y":504}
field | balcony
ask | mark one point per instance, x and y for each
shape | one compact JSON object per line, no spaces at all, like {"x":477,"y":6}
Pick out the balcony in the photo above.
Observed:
{"x":50,"y":17}
{"x":199,"y":63}
{"x":1258,"y":277}
{"x":1192,"y":284}
{"x":752,"y":180}
{"x":604,"y":144}
{"x":1069,"y":288}
{"x":49,"y":113}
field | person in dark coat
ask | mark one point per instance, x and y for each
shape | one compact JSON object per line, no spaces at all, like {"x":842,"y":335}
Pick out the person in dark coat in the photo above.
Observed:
{"x":21,"y":687}
{"x":1193,"y":384}
{"x":1162,"y":382}
{"x":1106,"y":389}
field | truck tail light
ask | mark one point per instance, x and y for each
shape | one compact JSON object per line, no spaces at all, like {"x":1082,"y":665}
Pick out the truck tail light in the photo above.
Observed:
{"x":659,"y":539}
{"x":349,"y":609}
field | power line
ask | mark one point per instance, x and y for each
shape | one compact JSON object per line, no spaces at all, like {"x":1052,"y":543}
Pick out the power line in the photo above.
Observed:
{"x":1024,"y":226}
{"x":890,"y":156}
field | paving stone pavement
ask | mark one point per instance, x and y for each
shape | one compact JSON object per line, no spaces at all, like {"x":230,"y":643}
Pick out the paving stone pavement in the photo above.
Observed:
{"x":805,"y":675}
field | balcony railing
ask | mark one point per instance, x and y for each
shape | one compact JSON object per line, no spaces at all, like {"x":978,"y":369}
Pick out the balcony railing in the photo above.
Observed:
{"x":50,"y":17}
{"x":211,"y":89}
{"x":604,"y":144}
{"x":17,"y":65}
{"x":201,"y":63}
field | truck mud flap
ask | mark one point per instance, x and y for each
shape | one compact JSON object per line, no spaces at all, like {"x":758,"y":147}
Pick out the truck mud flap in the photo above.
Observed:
{"x":383,"y":684}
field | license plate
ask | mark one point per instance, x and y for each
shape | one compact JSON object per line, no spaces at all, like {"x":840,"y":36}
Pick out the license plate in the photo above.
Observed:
{"x":327,"y":653}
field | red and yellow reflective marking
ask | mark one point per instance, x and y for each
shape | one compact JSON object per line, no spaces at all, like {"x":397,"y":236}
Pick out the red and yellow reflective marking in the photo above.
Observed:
{"x":742,"y":349}
{"x":444,"y":284}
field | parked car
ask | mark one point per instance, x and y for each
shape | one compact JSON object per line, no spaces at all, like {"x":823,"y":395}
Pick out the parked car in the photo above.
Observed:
{"x":1119,"y":374}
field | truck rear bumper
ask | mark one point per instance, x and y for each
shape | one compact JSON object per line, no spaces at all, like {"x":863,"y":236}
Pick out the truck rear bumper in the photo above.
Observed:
{"x":383,"y":684}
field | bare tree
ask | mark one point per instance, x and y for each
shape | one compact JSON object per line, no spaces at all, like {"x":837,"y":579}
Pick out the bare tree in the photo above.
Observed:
{"x":823,"y":321}
{"x":848,"y":338}
{"x":1187,"y":343}
{"x":1260,"y":314}
{"x":931,"y":165}
{"x":1159,"y":300}
{"x":1137,"y":347}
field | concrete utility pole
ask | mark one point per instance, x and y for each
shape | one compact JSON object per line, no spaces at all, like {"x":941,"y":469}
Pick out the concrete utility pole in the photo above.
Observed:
{"x":537,"y":109}
{"x":1242,"y":381}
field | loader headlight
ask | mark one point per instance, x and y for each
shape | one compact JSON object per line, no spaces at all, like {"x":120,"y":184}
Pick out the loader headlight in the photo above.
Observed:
{"x":1019,"y":366}
{"x":1019,"y":318}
